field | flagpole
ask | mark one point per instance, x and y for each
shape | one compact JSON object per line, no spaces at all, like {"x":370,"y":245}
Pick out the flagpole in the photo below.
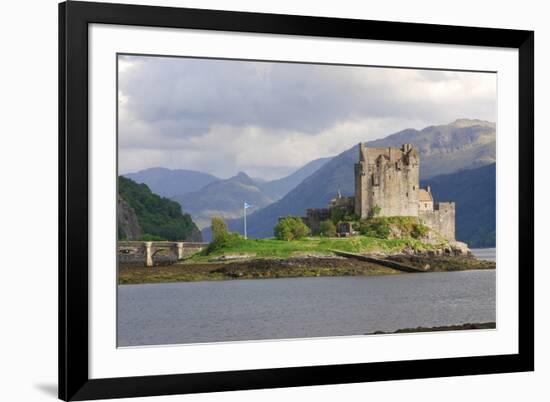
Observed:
{"x":244,"y":210}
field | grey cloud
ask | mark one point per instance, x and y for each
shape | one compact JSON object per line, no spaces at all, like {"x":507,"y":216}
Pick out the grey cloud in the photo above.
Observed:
{"x":176,"y":104}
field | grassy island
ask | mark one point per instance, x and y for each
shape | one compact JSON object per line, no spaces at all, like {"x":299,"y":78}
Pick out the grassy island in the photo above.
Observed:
{"x":238,"y":258}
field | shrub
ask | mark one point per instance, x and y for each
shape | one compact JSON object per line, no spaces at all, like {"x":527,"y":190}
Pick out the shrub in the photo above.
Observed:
{"x":291,"y":228}
{"x":150,"y":237}
{"x":221,"y":237}
{"x":327,"y":228}
{"x":385,"y":227}
{"x":379,"y":228}
{"x":419,"y":230}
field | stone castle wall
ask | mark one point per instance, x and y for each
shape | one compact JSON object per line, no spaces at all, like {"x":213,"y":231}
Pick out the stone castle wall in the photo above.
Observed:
{"x":441,"y":219}
{"x":314,"y":217}
{"x":387,"y":178}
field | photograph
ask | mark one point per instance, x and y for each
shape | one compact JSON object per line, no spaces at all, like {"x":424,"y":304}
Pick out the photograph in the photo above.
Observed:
{"x":268,"y":200}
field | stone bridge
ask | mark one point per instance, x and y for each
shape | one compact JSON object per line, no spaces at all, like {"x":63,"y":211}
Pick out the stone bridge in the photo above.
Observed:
{"x":148,"y":249}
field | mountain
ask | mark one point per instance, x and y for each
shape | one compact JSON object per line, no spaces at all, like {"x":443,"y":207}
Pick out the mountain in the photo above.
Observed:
{"x":277,"y":189}
{"x":157,"y":217}
{"x":174,"y":183}
{"x":474,"y":192}
{"x":463,"y":144}
{"x":223,"y":198}
{"x":168,"y":183}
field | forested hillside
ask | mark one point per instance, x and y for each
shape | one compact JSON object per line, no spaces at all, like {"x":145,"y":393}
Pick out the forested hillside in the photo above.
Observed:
{"x":158,"y":218}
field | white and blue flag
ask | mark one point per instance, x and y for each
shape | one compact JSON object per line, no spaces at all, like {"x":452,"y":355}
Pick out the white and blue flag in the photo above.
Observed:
{"x":246,"y":205}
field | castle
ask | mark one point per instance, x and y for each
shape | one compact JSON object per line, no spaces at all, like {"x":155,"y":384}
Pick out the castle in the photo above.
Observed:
{"x":387,"y":183}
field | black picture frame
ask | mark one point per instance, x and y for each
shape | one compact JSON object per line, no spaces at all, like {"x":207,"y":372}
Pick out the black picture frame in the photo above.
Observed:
{"x":74,"y":18}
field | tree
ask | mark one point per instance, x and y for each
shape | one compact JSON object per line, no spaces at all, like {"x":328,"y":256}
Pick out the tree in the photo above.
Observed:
{"x":291,"y":228}
{"x":327,"y":228}
{"x":337,"y":215}
{"x":219,"y":230}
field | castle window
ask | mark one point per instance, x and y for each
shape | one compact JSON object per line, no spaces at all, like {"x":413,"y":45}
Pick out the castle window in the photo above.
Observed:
{"x":414,"y":187}
{"x":425,"y":205}
{"x":407,"y":193}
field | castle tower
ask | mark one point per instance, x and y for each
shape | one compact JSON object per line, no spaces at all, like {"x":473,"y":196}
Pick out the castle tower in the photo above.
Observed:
{"x":387,"y":181}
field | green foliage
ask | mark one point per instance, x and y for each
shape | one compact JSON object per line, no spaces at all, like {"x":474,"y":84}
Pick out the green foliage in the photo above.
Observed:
{"x":340,"y":214}
{"x":375,"y":228}
{"x":327,"y":229}
{"x":337,"y":215}
{"x":383,"y":227}
{"x":157,"y":216}
{"x":419,"y":231}
{"x":121,"y":234}
{"x":376,"y":210}
{"x":228,"y":241}
{"x":221,"y":237}
{"x":291,"y":228}
{"x":219,"y":230}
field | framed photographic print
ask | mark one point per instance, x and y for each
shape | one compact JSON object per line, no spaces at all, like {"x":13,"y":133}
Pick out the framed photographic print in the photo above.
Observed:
{"x":258,"y":200}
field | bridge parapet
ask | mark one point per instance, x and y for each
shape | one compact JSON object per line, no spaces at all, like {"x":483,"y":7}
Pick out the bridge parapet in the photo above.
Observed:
{"x":148,"y":249}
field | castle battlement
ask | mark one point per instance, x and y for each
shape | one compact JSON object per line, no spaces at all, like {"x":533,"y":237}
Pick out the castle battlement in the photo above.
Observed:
{"x":444,"y":206}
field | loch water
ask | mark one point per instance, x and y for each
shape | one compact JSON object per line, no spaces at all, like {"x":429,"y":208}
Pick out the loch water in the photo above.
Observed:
{"x":488,"y":254}
{"x":238,"y":310}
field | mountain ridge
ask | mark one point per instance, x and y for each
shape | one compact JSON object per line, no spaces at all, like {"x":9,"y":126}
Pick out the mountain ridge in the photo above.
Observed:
{"x":277,"y":189}
{"x":223,"y":198}
{"x":170,"y":182}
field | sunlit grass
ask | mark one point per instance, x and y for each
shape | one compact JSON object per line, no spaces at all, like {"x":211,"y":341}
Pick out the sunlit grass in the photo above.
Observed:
{"x":273,"y":248}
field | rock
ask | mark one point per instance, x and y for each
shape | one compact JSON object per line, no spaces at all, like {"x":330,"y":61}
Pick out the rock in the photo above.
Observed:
{"x":459,"y":248}
{"x":395,"y":232}
{"x":232,"y":257}
{"x":128,"y":225}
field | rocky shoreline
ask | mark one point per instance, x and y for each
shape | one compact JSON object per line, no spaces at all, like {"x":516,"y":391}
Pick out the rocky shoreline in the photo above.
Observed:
{"x":292,"y":267}
{"x":458,"y":327}
{"x":443,"y":263}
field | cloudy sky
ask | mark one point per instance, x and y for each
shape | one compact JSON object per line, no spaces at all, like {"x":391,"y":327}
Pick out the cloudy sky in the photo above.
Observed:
{"x":268,"y":119}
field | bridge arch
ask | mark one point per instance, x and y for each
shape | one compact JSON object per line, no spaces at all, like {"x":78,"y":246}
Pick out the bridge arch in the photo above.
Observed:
{"x":149,"y":249}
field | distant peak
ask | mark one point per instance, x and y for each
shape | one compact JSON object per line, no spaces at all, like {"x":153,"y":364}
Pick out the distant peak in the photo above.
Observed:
{"x":242,"y":177}
{"x":471,"y":122}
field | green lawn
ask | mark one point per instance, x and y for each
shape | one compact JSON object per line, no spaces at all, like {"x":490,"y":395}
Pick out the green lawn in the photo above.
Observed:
{"x":311,"y":245}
